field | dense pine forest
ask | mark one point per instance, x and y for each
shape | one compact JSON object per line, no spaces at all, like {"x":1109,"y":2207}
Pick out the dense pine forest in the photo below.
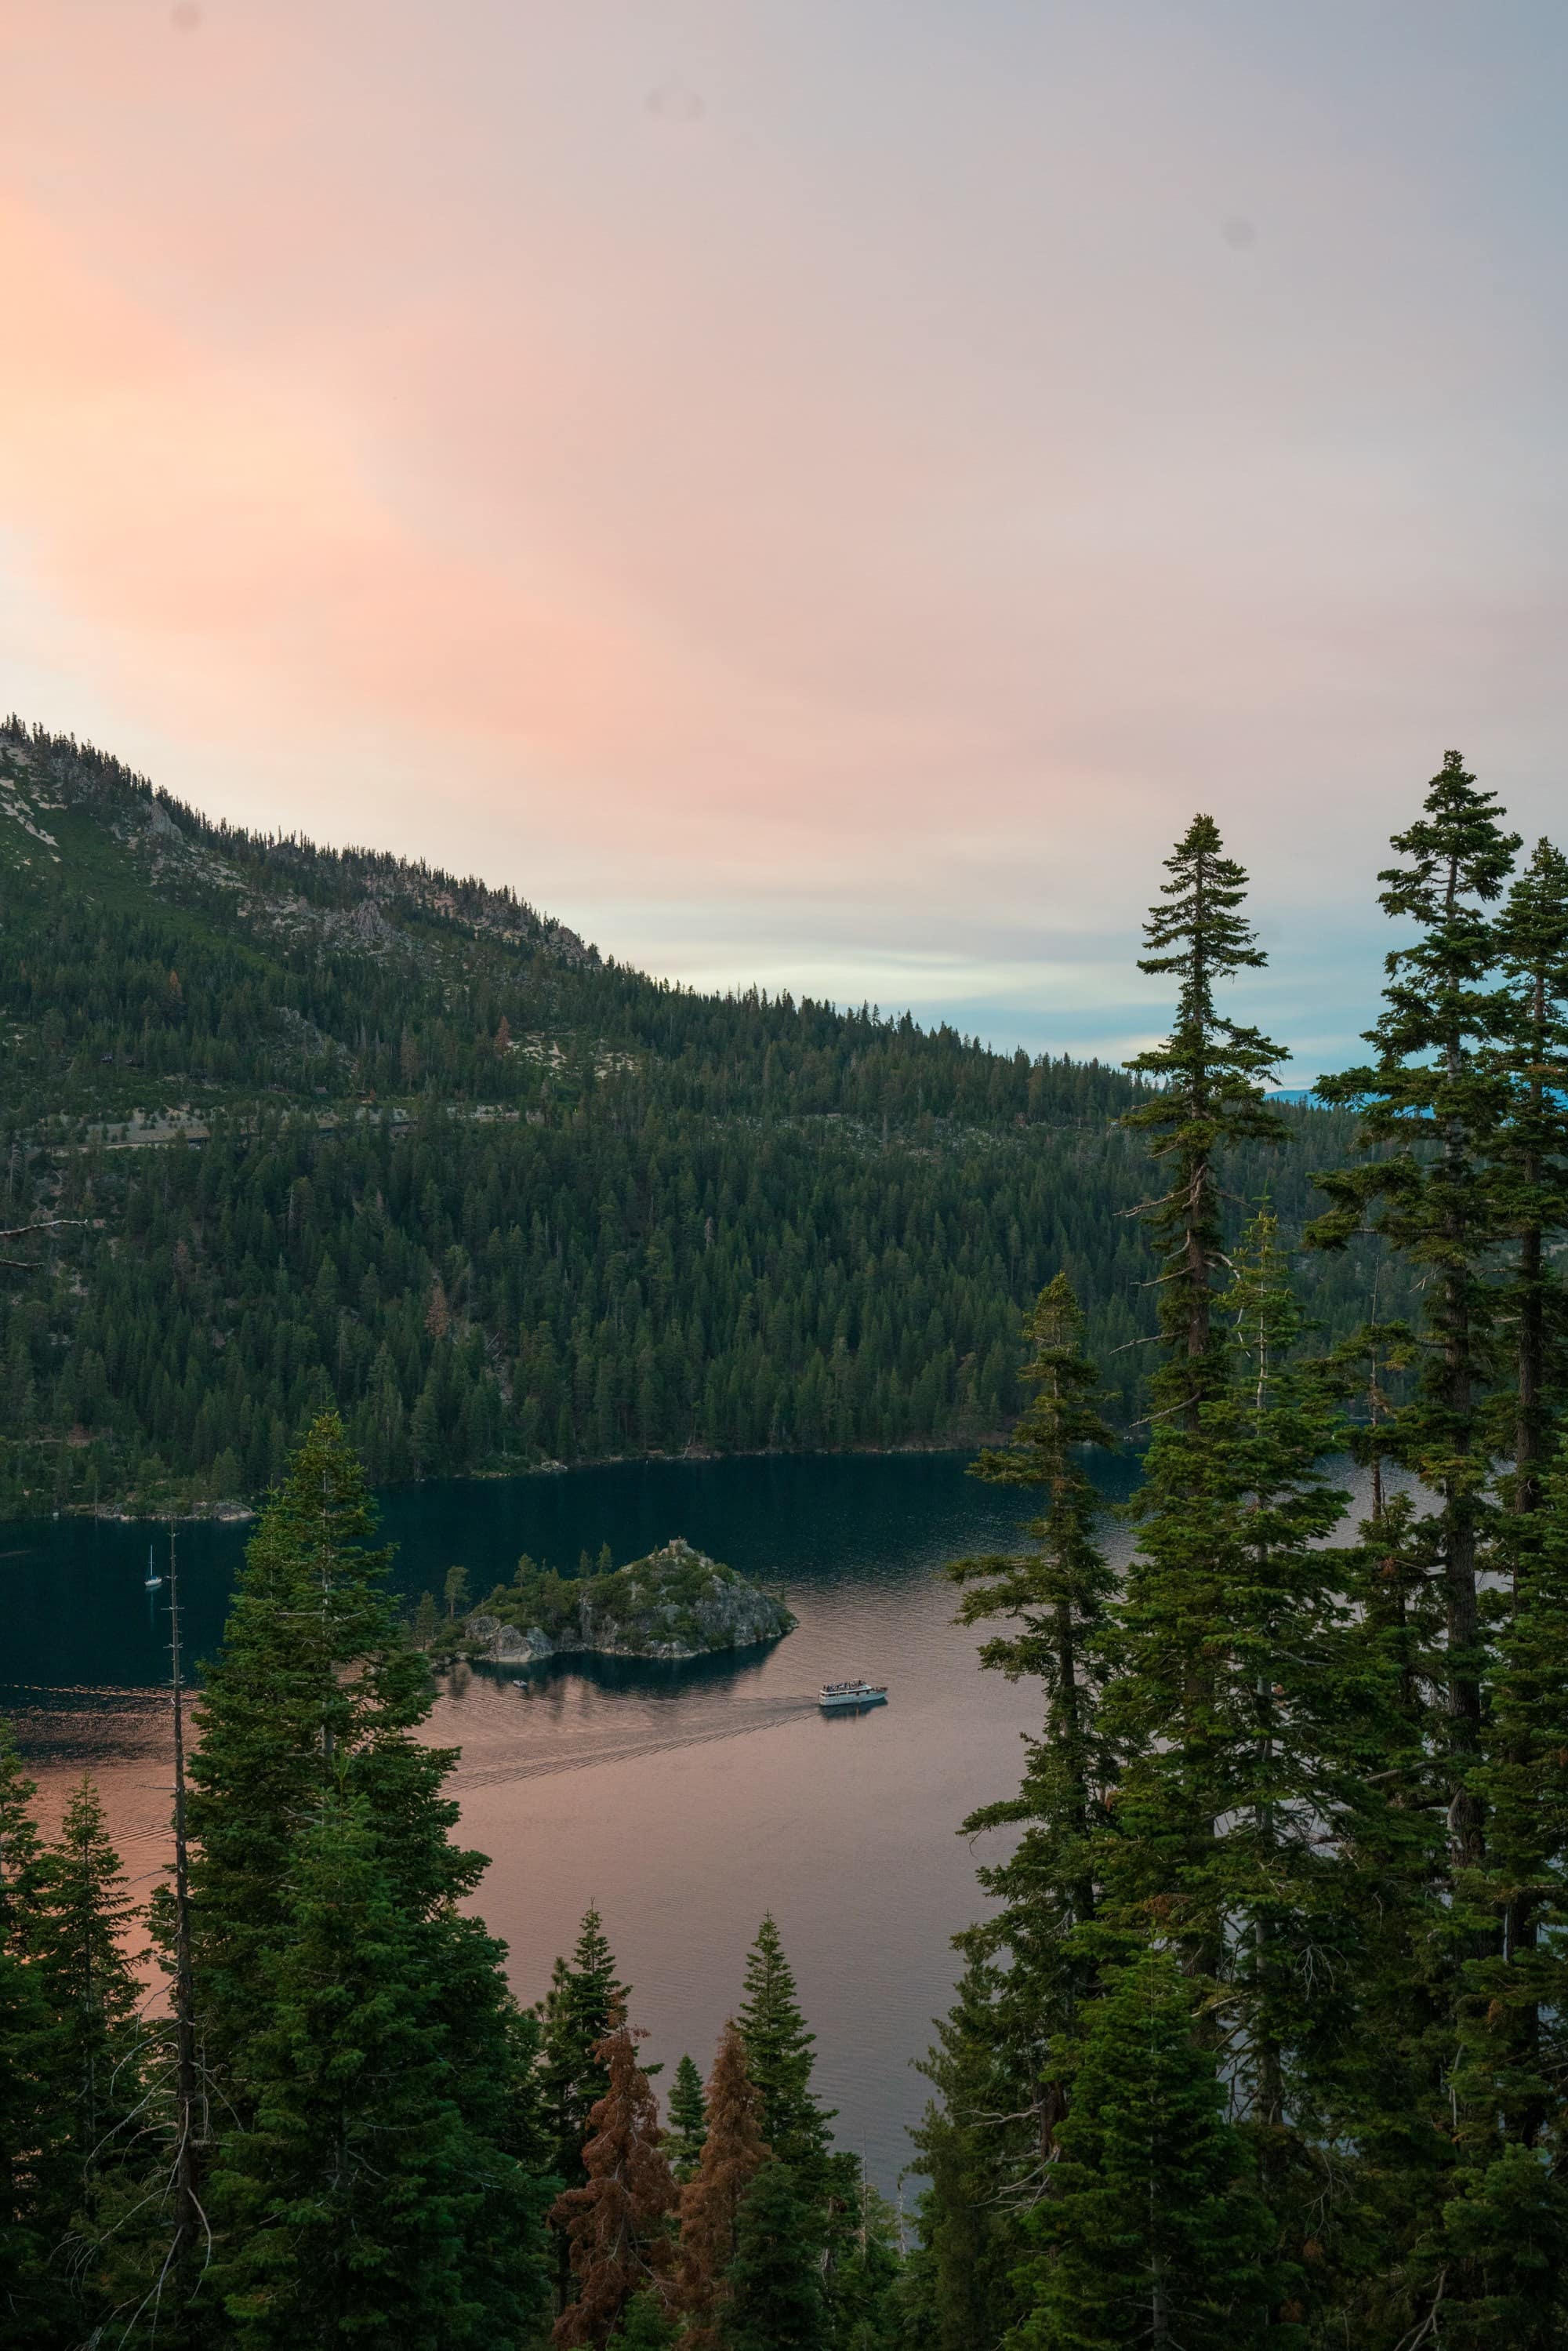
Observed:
{"x":1260,"y":2042}
{"x":286,"y":1129}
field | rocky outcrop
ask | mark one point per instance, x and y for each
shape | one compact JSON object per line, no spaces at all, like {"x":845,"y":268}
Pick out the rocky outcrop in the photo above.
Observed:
{"x":677,"y":1603}
{"x":491,"y":1641}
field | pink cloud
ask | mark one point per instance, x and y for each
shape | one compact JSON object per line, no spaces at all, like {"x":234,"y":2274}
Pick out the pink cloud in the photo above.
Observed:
{"x":883,"y":472}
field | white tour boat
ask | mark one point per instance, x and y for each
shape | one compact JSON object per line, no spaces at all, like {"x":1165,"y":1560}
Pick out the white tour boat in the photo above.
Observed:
{"x":838,"y":1697}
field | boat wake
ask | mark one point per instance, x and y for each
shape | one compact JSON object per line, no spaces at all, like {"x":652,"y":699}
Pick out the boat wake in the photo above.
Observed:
{"x":590,"y":1755}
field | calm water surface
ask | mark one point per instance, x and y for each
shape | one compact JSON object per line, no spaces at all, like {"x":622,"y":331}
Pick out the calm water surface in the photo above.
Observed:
{"x":683,"y":1801}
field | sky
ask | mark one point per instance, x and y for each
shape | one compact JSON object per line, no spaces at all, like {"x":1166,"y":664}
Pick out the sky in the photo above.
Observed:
{"x":811,"y":495}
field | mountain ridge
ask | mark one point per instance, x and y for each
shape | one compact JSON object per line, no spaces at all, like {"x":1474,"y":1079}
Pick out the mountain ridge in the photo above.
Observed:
{"x":405,"y":1145}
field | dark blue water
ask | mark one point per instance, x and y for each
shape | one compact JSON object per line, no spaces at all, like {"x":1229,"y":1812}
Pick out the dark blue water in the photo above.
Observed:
{"x":683,"y":1801}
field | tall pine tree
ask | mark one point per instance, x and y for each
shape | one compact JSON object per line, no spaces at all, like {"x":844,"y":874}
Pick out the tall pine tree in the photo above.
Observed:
{"x":353,"y":2205}
{"x":1209,"y":1073}
{"x":1252,"y":1710}
{"x":1502,"y":2248}
{"x":1151,"y":2232}
{"x":315,"y":1674}
{"x":577,"y":2012}
{"x":778,"y":2057}
{"x":1054,"y":1596}
{"x":80,"y":1918}
{"x":325,"y":1894}
{"x":1530,"y":1166}
{"x":797,"y":2126}
{"x":1434,"y":1102}
{"x":34,"y":2081}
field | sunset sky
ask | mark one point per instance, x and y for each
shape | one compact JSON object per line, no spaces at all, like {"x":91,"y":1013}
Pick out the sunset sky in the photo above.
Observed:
{"x":809,"y":491}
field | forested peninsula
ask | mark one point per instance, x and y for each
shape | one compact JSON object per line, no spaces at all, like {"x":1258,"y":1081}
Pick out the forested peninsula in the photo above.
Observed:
{"x":1260,"y":2041}
{"x":286,"y":1128}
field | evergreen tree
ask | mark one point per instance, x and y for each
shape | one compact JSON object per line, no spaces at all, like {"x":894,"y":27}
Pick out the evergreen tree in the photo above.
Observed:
{"x":1055,"y":1596}
{"x":979,"y":2146}
{"x":1502,"y":2250}
{"x":646,"y":2325}
{"x":35,"y":2085}
{"x":868,"y":2313}
{"x":688,"y":2119}
{"x":617,"y":2221}
{"x":584,"y":1999}
{"x":774,"y":2299}
{"x":711,"y":2201}
{"x":1028,"y":1965}
{"x":796,"y":2126}
{"x":1435,"y":1099}
{"x":1504,"y":2258}
{"x":80,"y":1914}
{"x":1252,"y":1712}
{"x":1151,"y":2233}
{"x":82,"y":1911}
{"x":325,"y":1894}
{"x":578,"y":2011}
{"x":778,"y":2057}
{"x":1530,"y":1159}
{"x":352,"y":2204}
{"x":316,"y":1678}
{"x":1209,"y":1073}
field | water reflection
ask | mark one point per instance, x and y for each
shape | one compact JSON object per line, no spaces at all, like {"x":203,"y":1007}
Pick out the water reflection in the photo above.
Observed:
{"x":685,"y":1800}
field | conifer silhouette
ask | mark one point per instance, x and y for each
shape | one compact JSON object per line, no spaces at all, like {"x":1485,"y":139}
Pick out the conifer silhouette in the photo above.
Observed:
{"x":1210,"y":1072}
{"x":688,"y":2119}
{"x":774,"y":2300}
{"x":1436,"y":1098}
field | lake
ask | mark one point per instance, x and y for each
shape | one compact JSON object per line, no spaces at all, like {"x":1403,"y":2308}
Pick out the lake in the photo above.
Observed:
{"x":684,"y":1800}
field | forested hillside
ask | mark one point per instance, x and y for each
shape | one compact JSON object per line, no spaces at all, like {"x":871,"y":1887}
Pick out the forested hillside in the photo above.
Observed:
{"x":299,"y":1126}
{"x":1261,"y":2038}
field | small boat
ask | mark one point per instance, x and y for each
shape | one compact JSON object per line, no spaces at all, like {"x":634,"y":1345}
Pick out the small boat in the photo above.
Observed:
{"x":839,"y":1696}
{"x":151,"y":1581}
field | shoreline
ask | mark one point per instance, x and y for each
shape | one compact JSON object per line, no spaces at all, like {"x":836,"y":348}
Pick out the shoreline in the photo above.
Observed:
{"x":240,"y":1513}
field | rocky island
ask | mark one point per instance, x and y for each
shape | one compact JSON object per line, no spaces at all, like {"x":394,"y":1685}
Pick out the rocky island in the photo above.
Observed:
{"x":676,"y":1602}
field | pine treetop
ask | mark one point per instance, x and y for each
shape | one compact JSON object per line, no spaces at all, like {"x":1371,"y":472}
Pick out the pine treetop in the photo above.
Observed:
{"x":584,"y":1998}
{"x":1212,"y":1066}
{"x":81,"y":1912}
{"x":688,"y":2117}
{"x":779,"y":2054}
{"x":1437,"y":1008}
{"x":1211,"y":1072}
{"x":1457,"y":849}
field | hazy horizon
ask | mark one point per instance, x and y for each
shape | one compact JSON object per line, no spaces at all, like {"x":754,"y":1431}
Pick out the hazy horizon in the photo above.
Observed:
{"x":812,"y":498}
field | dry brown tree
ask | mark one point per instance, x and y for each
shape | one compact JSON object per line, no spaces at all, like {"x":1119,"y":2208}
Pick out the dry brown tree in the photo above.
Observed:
{"x":617,"y":2224}
{"x":733,"y":2153}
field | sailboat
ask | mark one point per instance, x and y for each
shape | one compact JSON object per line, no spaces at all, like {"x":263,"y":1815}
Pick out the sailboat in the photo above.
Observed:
{"x":152,"y":1580}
